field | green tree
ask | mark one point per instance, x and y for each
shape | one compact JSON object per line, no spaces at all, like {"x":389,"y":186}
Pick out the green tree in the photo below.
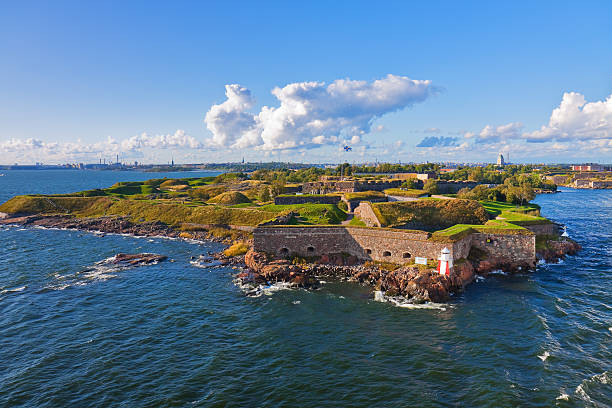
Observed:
{"x":264,"y":195}
{"x":431,"y":186}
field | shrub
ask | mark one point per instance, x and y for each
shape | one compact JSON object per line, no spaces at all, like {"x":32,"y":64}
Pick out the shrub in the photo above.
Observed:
{"x":239,"y":248}
{"x":431,"y":187}
{"x":230,"y":198}
{"x":264,"y":195}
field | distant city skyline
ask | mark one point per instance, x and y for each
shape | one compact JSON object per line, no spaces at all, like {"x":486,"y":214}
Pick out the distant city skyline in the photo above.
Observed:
{"x":198,"y":82}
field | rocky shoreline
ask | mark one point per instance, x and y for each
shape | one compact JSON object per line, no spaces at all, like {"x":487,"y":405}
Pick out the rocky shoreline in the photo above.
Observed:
{"x":416,"y":284}
{"x":109,"y":225}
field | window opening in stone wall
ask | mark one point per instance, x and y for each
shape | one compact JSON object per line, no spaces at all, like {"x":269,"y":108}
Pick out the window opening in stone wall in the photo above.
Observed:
{"x":369,"y":251}
{"x":284,"y":251}
{"x":310,"y":249}
{"x":406,"y":255}
{"x":386,"y":253}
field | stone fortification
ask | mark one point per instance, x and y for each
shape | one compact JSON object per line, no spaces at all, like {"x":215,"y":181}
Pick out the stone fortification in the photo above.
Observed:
{"x":385,"y":245}
{"x":582,"y":183}
{"x":367,"y":215}
{"x":324,"y":187}
{"x":543,"y":229}
{"x":452,"y":187}
{"x":307,"y":199}
{"x":352,"y":205}
{"x":501,"y":249}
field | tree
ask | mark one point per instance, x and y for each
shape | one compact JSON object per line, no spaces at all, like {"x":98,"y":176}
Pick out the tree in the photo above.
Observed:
{"x":278,"y":188}
{"x":526,"y":193}
{"x":410,"y":183}
{"x":264,"y":195}
{"x":431,"y":186}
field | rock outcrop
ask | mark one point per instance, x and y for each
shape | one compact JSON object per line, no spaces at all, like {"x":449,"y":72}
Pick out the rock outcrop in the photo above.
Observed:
{"x":416,"y":284}
{"x":138,"y":259}
{"x":555,"y":250}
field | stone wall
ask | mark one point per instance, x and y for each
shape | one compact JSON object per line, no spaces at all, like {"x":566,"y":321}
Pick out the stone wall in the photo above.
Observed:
{"x":513,"y":247}
{"x":452,"y":187}
{"x":367,"y":215}
{"x":324,"y":187}
{"x":385,"y":245}
{"x":543,"y":229}
{"x":353,"y":204}
{"x":601,"y":184}
{"x":306,"y":199}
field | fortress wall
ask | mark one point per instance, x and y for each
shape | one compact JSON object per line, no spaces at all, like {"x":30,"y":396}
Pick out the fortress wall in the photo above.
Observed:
{"x":543,"y":229}
{"x":364,"y":243}
{"x":282,"y":200}
{"x":353,"y":204}
{"x":366,"y":213}
{"x":452,"y":187}
{"x":514,"y":247}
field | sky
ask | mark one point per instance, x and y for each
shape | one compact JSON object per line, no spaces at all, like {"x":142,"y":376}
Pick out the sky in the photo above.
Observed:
{"x":221,"y":81}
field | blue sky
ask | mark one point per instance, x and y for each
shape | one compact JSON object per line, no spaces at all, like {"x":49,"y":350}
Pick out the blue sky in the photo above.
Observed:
{"x":83,"y":80}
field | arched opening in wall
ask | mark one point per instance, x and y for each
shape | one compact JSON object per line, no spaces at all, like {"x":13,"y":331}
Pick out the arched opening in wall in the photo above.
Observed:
{"x":310,"y":249}
{"x":284,"y":251}
{"x":369,"y":251}
{"x":386,"y":253}
{"x":406,"y":255}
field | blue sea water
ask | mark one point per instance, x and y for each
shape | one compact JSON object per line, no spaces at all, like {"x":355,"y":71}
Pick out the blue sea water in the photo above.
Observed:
{"x":173,"y":334}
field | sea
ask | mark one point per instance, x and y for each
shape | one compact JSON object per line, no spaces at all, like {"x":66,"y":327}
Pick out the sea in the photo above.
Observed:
{"x":76,"y":332}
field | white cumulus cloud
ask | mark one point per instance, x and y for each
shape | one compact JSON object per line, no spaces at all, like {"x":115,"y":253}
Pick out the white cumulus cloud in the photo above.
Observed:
{"x":310,"y":113}
{"x":576,"y":119}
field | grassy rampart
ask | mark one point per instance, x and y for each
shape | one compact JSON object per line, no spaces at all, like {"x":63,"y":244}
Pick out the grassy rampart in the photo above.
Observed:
{"x":430,"y":214}
{"x":171,"y":213}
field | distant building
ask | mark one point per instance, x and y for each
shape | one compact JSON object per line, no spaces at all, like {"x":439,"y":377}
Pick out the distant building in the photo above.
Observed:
{"x":500,"y":160}
{"x":588,"y":167}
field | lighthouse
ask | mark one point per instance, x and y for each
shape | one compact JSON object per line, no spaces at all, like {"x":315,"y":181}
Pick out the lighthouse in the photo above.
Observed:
{"x":445,"y":262}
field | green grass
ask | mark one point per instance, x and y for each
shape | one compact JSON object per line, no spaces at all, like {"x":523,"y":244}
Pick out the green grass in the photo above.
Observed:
{"x":319,"y":214}
{"x":459,"y":231}
{"x":170,"y":213}
{"x":230,"y":198}
{"x":495,"y":208}
{"x":414,"y":193}
{"x":430,"y":214}
{"x":364,"y":195}
{"x":357,"y":222}
{"x":522,"y":219}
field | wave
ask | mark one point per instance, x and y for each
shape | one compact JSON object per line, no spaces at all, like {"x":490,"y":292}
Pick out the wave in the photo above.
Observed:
{"x":590,"y":391}
{"x":98,"y":272}
{"x":402,"y":302}
{"x":13,"y":290}
{"x":263,"y":289}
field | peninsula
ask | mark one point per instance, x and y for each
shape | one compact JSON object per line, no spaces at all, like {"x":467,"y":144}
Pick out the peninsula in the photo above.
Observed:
{"x":417,"y":234}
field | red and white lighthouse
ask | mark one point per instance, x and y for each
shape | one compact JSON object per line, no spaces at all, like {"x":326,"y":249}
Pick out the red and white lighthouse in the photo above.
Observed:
{"x":445,"y":262}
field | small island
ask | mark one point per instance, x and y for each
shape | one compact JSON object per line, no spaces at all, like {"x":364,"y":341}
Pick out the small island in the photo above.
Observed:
{"x":419,"y":236}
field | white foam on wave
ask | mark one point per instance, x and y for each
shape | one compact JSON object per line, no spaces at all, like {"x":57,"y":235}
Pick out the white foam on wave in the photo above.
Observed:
{"x":296,"y":302}
{"x":544,"y":356}
{"x":498,"y":272}
{"x":263,"y":289}
{"x":480,"y":278}
{"x":13,"y":290}
{"x":402,"y":302}
{"x":100,"y":271}
{"x":583,"y":388}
